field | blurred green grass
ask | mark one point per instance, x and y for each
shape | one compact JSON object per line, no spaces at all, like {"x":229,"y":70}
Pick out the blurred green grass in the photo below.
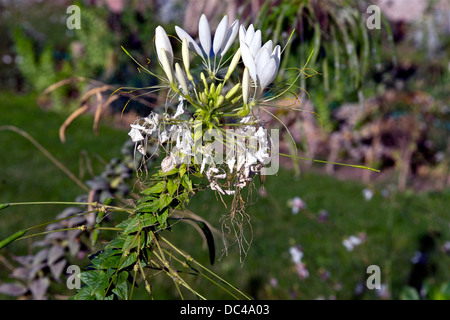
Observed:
{"x":393,"y":225}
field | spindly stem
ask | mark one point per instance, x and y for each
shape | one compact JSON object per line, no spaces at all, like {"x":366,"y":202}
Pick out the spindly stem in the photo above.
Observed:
{"x":204,"y":268}
{"x":330,"y":162}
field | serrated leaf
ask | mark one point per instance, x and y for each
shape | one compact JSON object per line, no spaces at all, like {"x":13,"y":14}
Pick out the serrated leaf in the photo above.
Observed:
{"x":164,"y":201}
{"x":156,"y":189}
{"x":86,"y":293}
{"x":183,"y":169}
{"x":148,"y":207}
{"x":187,"y":183}
{"x":163,"y":217}
{"x":121,"y":286}
{"x":172,"y":186}
{"x":97,"y":280}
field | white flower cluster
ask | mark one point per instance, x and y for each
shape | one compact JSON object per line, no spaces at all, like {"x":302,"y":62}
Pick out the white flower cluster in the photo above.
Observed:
{"x":247,"y":144}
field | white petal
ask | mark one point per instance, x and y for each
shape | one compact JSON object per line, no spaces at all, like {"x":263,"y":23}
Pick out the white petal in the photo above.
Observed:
{"x":231,"y":35}
{"x":255,"y":45}
{"x":179,"y":111}
{"x":276,"y":53}
{"x":168,"y":163}
{"x":268,"y":73}
{"x":261,"y":61}
{"x":242,"y":33}
{"x":135,"y":135}
{"x":162,"y":42}
{"x":268,"y":45}
{"x":249,"y":34}
{"x":247,"y":58}
{"x":204,"y":33}
{"x":220,"y":35}
{"x":191,"y":43}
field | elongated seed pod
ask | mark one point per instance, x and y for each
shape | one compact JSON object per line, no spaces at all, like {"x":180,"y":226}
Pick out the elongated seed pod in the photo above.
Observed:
{"x":12,"y":238}
{"x":232,"y":91}
{"x":181,"y":79}
{"x":245,"y":85}
{"x":233,"y":64}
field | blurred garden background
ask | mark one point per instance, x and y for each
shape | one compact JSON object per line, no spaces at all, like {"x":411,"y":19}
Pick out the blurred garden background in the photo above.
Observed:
{"x":382,"y":96}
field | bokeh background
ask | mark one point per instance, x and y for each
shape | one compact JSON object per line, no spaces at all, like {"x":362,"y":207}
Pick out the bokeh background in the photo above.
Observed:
{"x":382,"y":96}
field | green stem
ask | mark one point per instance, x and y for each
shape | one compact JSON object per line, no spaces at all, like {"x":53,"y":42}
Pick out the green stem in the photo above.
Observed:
{"x":330,"y":162}
{"x":204,"y":268}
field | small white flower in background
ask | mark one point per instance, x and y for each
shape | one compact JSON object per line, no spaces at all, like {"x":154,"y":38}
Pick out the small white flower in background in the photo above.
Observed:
{"x":296,"y":254}
{"x":353,"y":241}
{"x":368,"y":194}
{"x":296,"y":204}
{"x":274,"y":282}
{"x":302,"y":271}
{"x":446,"y":247}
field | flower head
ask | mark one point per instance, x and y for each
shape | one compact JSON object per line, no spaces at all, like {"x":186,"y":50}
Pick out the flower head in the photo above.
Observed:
{"x":262,"y":61}
{"x":223,"y":39}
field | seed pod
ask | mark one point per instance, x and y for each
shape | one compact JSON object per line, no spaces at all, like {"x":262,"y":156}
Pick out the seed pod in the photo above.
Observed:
{"x":245,"y":85}
{"x":232,"y":91}
{"x":181,"y":79}
{"x":166,"y":65}
{"x":233,"y":64}
{"x":12,"y":238}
